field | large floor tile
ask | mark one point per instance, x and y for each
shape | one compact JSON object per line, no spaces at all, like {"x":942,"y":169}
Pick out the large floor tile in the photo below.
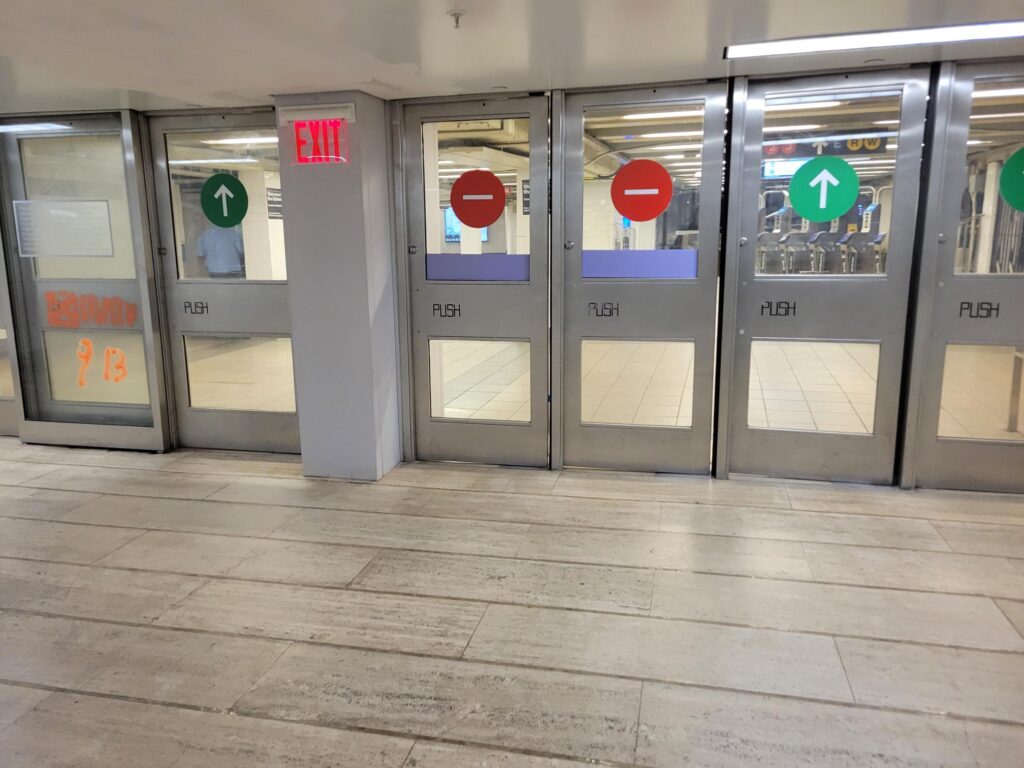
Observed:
{"x":561,"y":714}
{"x":1014,"y":610}
{"x":680,"y":551}
{"x":182,"y":515}
{"x":38,"y":503}
{"x":182,"y":553}
{"x":386,"y":622}
{"x":92,"y":732}
{"x":930,"y":505}
{"x":15,"y":472}
{"x":15,"y":701}
{"x":404,"y":532}
{"x":42,"y":540}
{"x":598,"y":588}
{"x":944,"y":680}
{"x":216,"y":463}
{"x":801,"y":526}
{"x":984,"y":539}
{"x":90,"y":592}
{"x":131,"y":482}
{"x":465,"y":477}
{"x":322,"y":494}
{"x":660,"y":649}
{"x":858,"y":611}
{"x":13,"y":449}
{"x":428,"y":754}
{"x":672,"y":488}
{"x":682,"y":726}
{"x":902,"y":569}
{"x":157,"y":664}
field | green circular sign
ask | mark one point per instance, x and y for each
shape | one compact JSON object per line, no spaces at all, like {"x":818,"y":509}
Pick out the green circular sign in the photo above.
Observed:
{"x":224,"y":200}
{"x":824,"y":188}
{"x":1011,"y":180}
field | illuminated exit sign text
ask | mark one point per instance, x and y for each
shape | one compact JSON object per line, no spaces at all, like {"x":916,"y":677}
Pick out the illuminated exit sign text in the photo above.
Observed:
{"x":321,"y":141}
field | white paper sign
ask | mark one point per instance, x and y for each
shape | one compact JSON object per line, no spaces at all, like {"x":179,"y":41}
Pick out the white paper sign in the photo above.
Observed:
{"x":63,"y":228}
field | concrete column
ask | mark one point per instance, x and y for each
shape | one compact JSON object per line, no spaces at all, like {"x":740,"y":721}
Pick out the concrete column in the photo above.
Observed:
{"x":342,"y":292}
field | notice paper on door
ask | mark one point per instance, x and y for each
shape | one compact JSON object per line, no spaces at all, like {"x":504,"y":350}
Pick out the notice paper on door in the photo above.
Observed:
{"x":63,"y":228}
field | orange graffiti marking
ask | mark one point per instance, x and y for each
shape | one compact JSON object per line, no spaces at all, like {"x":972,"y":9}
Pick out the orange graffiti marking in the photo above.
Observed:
{"x":66,"y":309}
{"x":120,"y":364}
{"x":85,"y":355}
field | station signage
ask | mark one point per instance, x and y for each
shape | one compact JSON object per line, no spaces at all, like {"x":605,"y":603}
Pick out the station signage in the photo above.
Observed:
{"x":478,"y":198}
{"x":828,"y":144}
{"x":641,"y":190}
{"x":321,"y":141}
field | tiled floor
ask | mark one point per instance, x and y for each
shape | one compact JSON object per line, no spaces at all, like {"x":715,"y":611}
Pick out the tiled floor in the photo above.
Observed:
{"x":487,"y":380}
{"x":978,"y":390}
{"x":215,"y":609}
{"x":247,"y":374}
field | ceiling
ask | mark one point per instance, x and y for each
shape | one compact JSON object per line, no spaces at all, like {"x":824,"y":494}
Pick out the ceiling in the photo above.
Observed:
{"x":153,"y":54}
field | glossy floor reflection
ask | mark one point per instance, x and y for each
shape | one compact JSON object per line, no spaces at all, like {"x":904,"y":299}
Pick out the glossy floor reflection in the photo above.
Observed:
{"x":217,"y":609}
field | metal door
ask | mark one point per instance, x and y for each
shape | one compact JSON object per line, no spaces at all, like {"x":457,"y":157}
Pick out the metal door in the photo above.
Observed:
{"x":969,"y":347}
{"x":225,"y":280}
{"x":10,"y":407}
{"x":641,"y":216}
{"x":823,"y":202}
{"x":479,"y":290}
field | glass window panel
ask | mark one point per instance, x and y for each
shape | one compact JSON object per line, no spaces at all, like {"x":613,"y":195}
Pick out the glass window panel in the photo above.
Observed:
{"x":84,"y":172}
{"x":990,"y":239}
{"x":240,"y":373}
{"x":813,"y":386}
{"x":637,"y":383}
{"x":616,"y":246}
{"x":251,"y":250}
{"x":499,"y":251}
{"x":861,"y":129}
{"x":6,"y":374}
{"x":92,"y":366}
{"x":982,"y":396}
{"x":473,"y":379}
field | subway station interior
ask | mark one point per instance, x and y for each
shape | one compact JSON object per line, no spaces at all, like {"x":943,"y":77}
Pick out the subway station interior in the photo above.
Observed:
{"x":412,"y":384}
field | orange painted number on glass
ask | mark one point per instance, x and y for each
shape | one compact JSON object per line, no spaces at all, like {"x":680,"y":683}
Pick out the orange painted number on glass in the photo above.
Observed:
{"x":115,"y":365}
{"x":85,"y":355}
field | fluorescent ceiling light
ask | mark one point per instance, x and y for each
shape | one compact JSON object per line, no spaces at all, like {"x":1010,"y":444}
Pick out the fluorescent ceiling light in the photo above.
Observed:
{"x":886,"y":122}
{"x":781,"y":128}
{"x":801,"y":105}
{"x":865,"y":40}
{"x":673,"y":157}
{"x":677,"y":146}
{"x":974,"y":142}
{"x":33,"y":127}
{"x":663,"y":115}
{"x":670,"y":134}
{"x":1000,"y":116}
{"x":999,"y":93}
{"x":446,"y":162}
{"x":215,"y":161}
{"x":697,"y":163}
{"x":243,"y":140}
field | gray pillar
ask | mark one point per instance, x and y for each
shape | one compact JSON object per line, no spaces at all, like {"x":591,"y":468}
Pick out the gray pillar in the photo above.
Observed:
{"x":342,"y":291}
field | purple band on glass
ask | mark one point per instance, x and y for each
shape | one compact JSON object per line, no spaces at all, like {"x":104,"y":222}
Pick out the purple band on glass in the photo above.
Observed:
{"x":490,"y":267}
{"x":679,"y":263}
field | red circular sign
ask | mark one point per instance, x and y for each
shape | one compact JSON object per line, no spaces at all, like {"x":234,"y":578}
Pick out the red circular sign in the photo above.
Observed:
{"x":641,"y":190}
{"x":478,"y":198}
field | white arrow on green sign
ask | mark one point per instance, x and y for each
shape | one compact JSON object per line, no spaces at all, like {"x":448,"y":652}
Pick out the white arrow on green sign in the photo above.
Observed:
{"x":224,"y":200}
{"x":824,"y":188}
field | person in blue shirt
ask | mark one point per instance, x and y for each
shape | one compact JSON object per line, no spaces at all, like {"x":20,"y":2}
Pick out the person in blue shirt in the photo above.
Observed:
{"x":221,"y":250}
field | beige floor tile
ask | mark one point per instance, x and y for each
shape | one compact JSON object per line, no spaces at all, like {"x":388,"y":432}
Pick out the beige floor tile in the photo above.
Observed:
{"x":211,"y":463}
{"x":984,"y":539}
{"x":487,"y":704}
{"x":800,"y":526}
{"x":904,"y":569}
{"x":18,"y":501}
{"x":428,"y":754}
{"x":296,"y":562}
{"x":385,"y":622}
{"x":182,"y":553}
{"x":1014,"y":610}
{"x":131,"y":482}
{"x":472,"y":478}
{"x":620,"y":590}
{"x":182,"y":515}
{"x":43,"y":540}
{"x":155,"y":664}
{"x":92,"y":732}
{"x":682,"y":726}
{"x":672,"y":488}
{"x":660,"y":649}
{"x":942,"y":680}
{"x":15,"y":701}
{"x":405,"y":532}
{"x":321,"y":494}
{"x":17,"y":472}
{"x":857,"y":611}
{"x":678,"y":551}
{"x":90,"y":592}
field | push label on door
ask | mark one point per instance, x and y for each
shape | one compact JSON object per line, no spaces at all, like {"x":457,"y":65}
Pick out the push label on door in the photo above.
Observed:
{"x":447,"y":310}
{"x":979,"y":310}
{"x":603,"y":309}
{"x":778,"y":309}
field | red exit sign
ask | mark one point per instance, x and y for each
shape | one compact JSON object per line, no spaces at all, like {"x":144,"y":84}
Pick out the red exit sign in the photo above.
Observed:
{"x":321,"y":141}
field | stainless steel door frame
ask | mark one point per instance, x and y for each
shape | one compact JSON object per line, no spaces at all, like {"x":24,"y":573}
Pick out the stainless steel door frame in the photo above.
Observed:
{"x":648,"y":309}
{"x":67,"y":423}
{"x":949,"y":462}
{"x":489,"y":310}
{"x":870,"y":308}
{"x":11,"y":412}
{"x":237,"y":308}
